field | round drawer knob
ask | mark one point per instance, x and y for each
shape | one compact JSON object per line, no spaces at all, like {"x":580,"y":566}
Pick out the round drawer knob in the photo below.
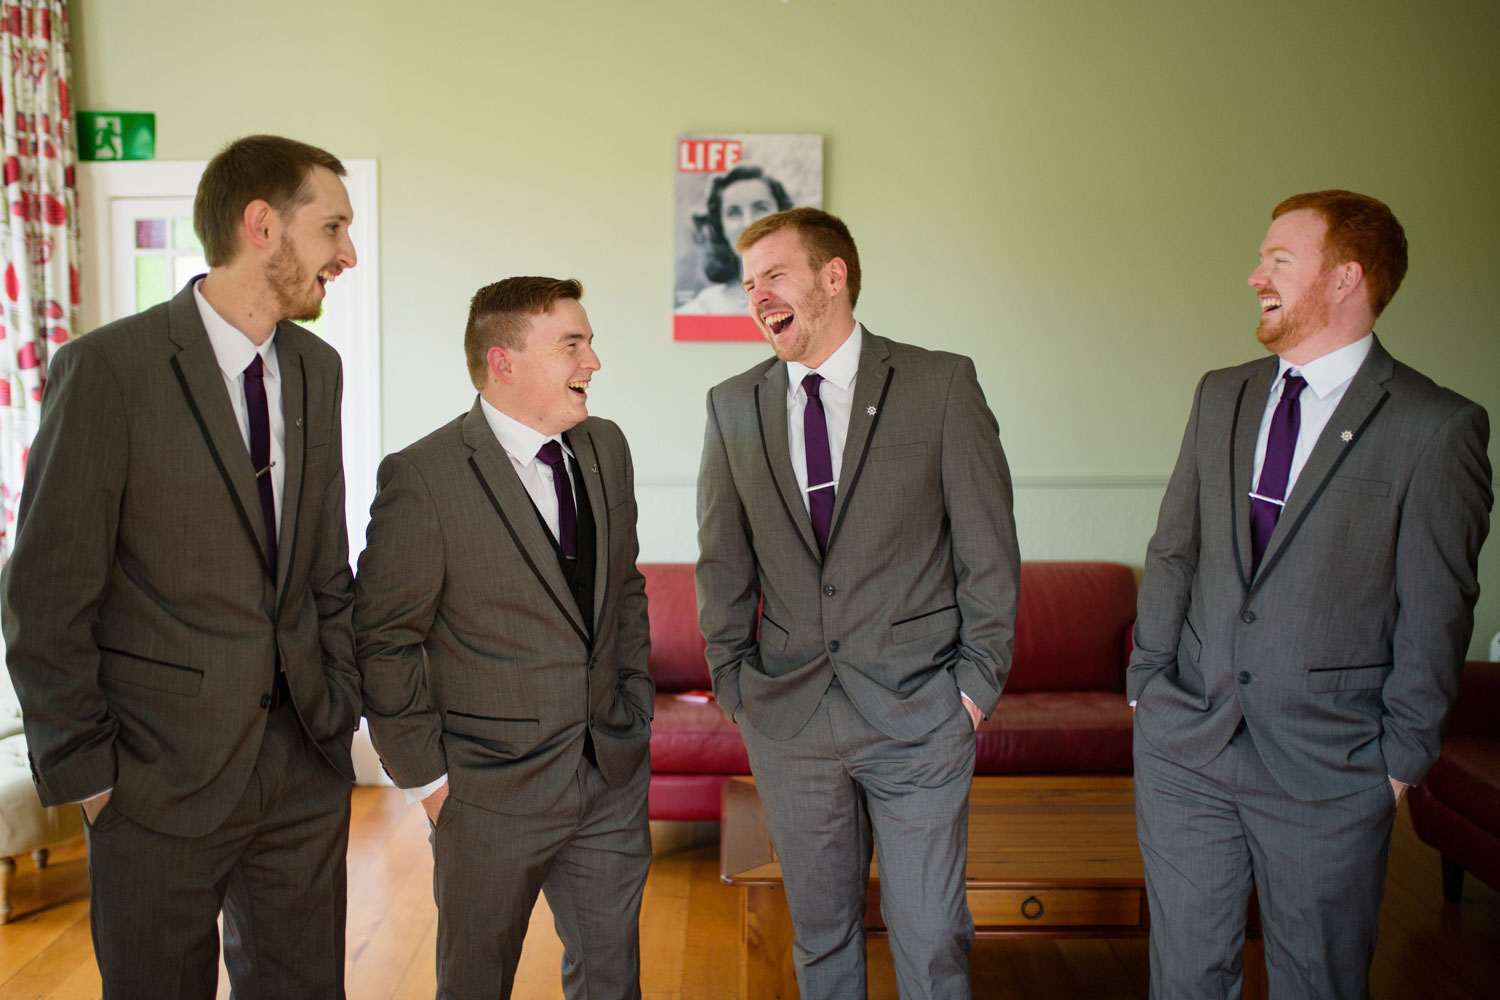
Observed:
{"x":1031,"y":909}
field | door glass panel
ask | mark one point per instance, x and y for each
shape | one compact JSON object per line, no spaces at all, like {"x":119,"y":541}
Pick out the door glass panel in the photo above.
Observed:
{"x":183,"y":237}
{"x":150,"y":282}
{"x":150,"y":233}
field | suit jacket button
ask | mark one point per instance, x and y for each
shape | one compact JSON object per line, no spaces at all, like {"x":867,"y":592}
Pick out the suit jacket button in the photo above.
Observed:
{"x":1248,"y":617}
{"x":833,"y":647}
{"x":265,"y":701}
{"x":829,"y":590}
{"x":1244,"y":677}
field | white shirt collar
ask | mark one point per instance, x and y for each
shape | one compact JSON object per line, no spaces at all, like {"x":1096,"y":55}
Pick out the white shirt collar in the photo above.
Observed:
{"x":520,"y":442}
{"x":233,"y":349}
{"x":1333,"y":369}
{"x":840,"y":367}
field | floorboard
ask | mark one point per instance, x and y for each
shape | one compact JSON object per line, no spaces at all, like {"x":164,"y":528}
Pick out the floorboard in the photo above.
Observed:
{"x":690,"y":929}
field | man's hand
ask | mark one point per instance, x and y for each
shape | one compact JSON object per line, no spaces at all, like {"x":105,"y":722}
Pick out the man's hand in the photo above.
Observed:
{"x":433,"y":804}
{"x":94,"y":805}
{"x":975,"y":715}
{"x":1399,"y":789}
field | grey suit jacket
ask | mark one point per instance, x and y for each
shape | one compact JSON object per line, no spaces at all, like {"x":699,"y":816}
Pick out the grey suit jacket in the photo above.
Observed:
{"x":916,"y":596}
{"x":475,"y":658}
{"x":1342,"y":652}
{"x":142,"y":623}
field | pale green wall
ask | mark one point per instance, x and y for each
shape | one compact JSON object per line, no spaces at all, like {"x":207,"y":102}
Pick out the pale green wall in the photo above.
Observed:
{"x":1071,"y":192}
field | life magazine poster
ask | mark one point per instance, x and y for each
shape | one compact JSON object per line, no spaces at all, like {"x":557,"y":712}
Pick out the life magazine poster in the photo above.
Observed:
{"x":724,"y":183}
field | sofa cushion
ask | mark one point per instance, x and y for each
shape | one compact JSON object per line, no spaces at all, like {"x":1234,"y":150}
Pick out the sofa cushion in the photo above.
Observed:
{"x":1072,"y":627}
{"x":1048,"y":731}
{"x":1467,"y":779}
{"x":676,"y":662}
{"x":691,"y":735}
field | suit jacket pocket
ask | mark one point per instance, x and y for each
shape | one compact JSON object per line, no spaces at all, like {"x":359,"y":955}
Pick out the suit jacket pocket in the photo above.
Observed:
{"x":773,"y":635}
{"x":1324,"y":679}
{"x":933,"y":622}
{"x":490,"y":729}
{"x":118,"y":666}
{"x":892,"y":452}
{"x":1367,"y":487}
{"x":1189,"y":644}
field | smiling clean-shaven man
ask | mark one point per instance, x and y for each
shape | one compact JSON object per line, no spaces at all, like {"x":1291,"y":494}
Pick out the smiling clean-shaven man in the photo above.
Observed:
{"x":1307,"y":601}
{"x":502,"y":639}
{"x":857,"y":585}
{"x":177,"y":605}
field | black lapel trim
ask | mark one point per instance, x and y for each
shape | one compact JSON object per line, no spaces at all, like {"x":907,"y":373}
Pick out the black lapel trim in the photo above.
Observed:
{"x":219,"y":464}
{"x":849,"y":495}
{"x":771,"y":470}
{"x":599,"y":551}
{"x":535,"y":569}
{"x":1234,"y":517}
{"x":291,"y":556}
{"x":1266,"y":567}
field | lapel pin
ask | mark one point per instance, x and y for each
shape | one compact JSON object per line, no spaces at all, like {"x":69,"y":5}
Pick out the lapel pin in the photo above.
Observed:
{"x":596,"y":468}
{"x":870,"y":410}
{"x":1347,"y":436}
{"x":299,"y":422}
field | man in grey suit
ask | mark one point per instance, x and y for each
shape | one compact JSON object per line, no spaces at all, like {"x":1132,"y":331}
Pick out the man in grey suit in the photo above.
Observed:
{"x":1307,"y":601}
{"x":857,"y":587}
{"x":177,"y":604}
{"x":502,"y":638}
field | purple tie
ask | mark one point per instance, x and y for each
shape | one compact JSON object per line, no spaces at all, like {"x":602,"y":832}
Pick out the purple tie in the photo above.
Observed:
{"x":260,"y":451}
{"x":820,"y":485}
{"x":567,"y":514}
{"x":1276,"y":468}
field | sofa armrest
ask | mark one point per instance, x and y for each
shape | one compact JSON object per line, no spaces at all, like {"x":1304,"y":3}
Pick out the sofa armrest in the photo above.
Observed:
{"x":1477,"y":709}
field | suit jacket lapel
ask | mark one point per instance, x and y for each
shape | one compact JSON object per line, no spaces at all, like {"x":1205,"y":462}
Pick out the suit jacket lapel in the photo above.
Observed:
{"x":293,"y":412}
{"x":582,"y":444}
{"x":770,"y":401}
{"x":870,"y":386}
{"x":202,"y":381}
{"x":1249,"y":412}
{"x":513,"y":504}
{"x":1353,"y":414}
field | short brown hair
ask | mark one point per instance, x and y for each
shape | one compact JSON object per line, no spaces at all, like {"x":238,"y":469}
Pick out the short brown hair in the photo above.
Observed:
{"x":824,"y":236}
{"x":500,"y":314}
{"x":267,"y":167}
{"x":1362,"y":229}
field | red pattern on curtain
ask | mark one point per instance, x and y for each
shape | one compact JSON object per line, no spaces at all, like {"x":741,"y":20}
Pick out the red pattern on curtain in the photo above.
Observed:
{"x":38,"y":228}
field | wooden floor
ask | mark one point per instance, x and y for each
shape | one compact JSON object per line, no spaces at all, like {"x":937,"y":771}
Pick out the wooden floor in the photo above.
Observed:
{"x":689,"y":923}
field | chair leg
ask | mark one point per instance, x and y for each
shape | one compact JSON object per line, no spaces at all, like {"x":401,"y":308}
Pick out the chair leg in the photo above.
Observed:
{"x":1453,"y":880}
{"x":7,"y":872}
{"x":40,"y":856}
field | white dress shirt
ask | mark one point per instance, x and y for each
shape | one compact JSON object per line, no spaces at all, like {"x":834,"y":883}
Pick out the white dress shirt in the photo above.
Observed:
{"x":837,"y":394}
{"x":1328,"y":379}
{"x":234,"y":352}
{"x":521,"y":443}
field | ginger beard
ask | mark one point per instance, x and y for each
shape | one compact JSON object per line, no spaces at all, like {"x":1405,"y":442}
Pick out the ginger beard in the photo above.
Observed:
{"x":809,"y":315}
{"x":1285,"y":327}
{"x":294,"y":284}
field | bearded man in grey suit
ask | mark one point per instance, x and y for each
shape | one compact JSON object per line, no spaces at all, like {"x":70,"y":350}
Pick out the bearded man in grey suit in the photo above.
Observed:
{"x":177,"y":605}
{"x":857,"y":587}
{"x":1307,"y":602}
{"x":502,"y":637}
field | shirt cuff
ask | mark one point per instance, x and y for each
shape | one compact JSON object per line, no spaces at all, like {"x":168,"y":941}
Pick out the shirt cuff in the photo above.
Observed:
{"x":414,"y":795}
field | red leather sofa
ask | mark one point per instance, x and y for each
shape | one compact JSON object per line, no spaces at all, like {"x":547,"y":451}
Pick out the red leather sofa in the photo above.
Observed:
{"x":1063,"y":709}
{"x":1457,"y":809}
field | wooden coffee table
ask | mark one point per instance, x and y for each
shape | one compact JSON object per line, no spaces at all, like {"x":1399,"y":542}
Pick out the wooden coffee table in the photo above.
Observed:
{"x":1049,"y":856}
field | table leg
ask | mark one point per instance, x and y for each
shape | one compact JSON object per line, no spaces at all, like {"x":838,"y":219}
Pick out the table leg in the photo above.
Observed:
{"x":766,"y":971}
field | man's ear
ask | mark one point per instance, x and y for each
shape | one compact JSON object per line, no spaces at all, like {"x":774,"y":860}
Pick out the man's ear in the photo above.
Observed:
{"x":257,"y":224}
{"x":502,"y":367}
{"x":835,"y":275}
{"x":1350,"y":276}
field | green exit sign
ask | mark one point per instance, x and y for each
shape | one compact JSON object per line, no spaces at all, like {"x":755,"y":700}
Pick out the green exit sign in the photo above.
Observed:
{"x":116,"y":135}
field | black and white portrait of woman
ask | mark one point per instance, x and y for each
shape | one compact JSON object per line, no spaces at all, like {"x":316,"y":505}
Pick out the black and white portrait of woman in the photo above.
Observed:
{"x":725,"y":183}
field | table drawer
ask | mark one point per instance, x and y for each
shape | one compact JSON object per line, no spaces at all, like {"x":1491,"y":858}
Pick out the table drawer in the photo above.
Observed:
{"x":1055,"y":907}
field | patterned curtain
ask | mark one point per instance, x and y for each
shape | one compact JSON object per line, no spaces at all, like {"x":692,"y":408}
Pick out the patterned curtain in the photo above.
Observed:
{"x":38,"y":226}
